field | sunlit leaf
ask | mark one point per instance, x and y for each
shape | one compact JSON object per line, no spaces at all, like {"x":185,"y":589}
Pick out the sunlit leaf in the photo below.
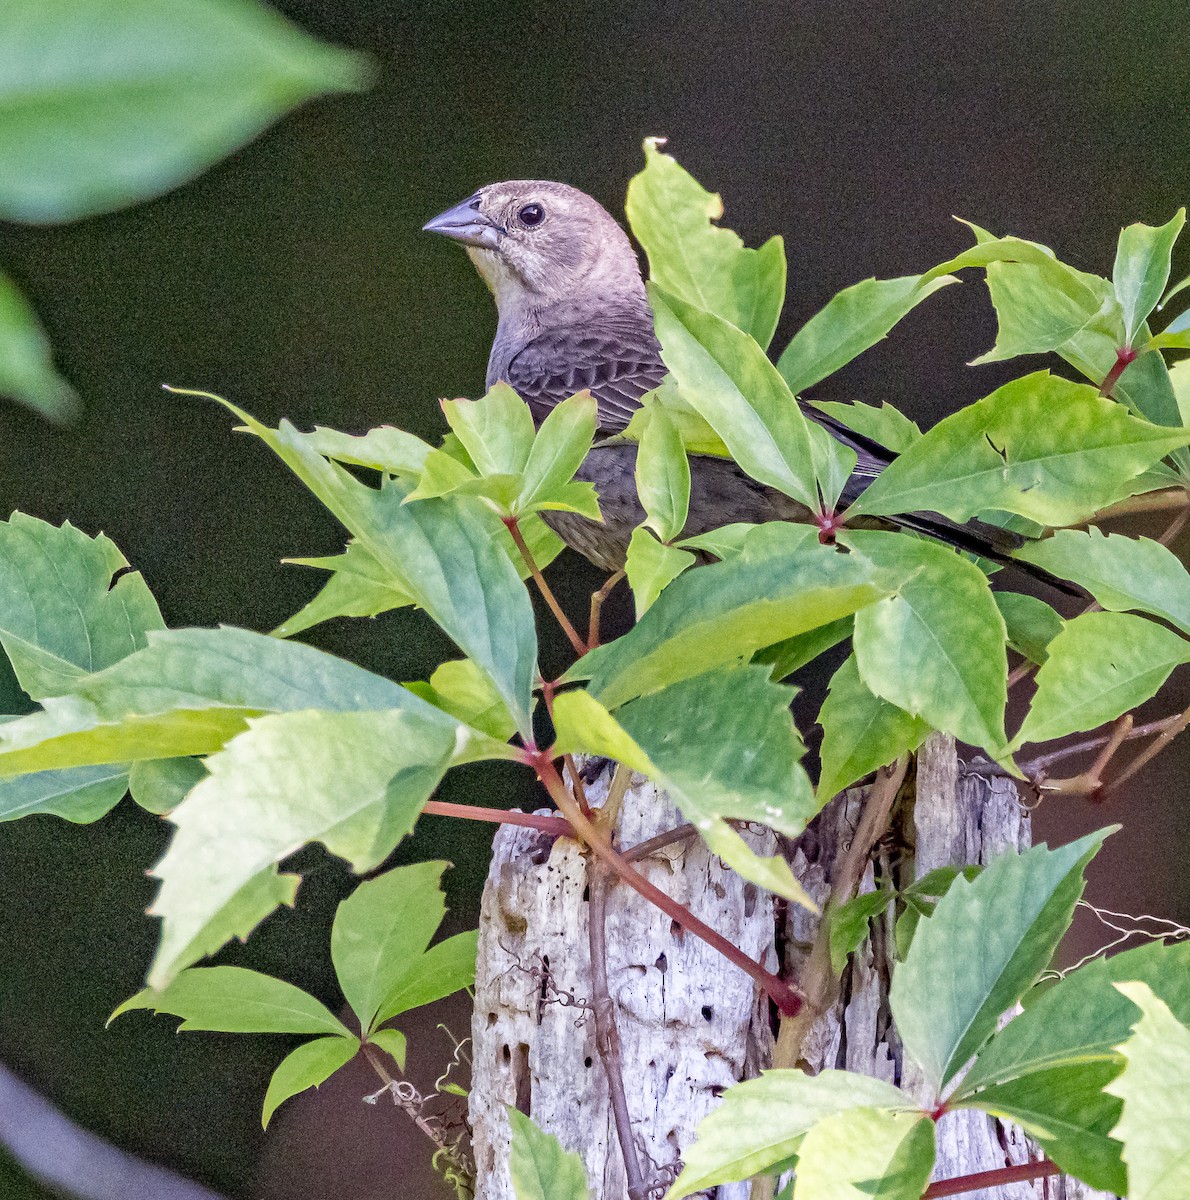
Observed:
{"x":460,"y":688}
{"x":1141,"y":269}
{"x":662,"y":474}
{"x":651,"y":566}
{"x":886,"y":425}
{"x":866,"y":1154}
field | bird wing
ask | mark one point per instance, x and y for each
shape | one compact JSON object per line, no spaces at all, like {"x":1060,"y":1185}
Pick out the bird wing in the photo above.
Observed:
{"x":616,"y":365}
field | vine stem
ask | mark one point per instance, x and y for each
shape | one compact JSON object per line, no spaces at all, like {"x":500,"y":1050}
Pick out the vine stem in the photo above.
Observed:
{"x":990,"y":1179}
{"x":558,"y":826}
{"x":787,"y":999}
{"x":514,"y":527}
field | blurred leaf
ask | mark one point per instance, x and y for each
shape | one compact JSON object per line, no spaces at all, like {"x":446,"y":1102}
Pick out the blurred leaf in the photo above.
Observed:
{"x":1155,"y":1088}
{"x":355,"y":781}
{"x":1101,"y":665}
{"x":160,"y":784}
{"x":726,"y":377}
{"x":671,"y":215}
{"x":985,"y":945}
{"x":441,"y":971}
{"x":1141,"y":270}
{"x":866,"y":1154}
{"x":936,"y":648}
{"x":392,"y":1041}
{"x":662,"y":474}
{"x":722,"y":746}
{"x":539,"y":1166}
{"x":886,"y":425}
{"x":557,"y":452}
{"x":1032,"y":624}
{"x":1041,"y":446}
{"x":27,"y":371}
{"x":310,"y":1065}
{"x":860,"y":731}
{"x":854,"y":320}
{"x":460,"y":688}
{"x":793,"y":653}
{"x":784,"y":584}
{"x":358,"y":587}
{"x":652,"y":566}
{"x":116,"y":101}
{"x":79,"y":794}
{"x":849,"y":924}
{"x":1122,"y":573}
{"x":236,"y":1000}
{"x":61,"y":617}
{"x":496,"y":430}
{"x":761,"y":1122}
{"x":381,"y":929}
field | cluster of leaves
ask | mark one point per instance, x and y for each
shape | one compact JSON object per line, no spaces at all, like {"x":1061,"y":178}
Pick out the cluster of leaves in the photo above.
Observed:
{"x":1094,"y":1067}
{"x":104,"y":103}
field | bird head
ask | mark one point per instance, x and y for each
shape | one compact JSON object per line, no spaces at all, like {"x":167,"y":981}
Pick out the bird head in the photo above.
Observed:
{"x":538,"y":243}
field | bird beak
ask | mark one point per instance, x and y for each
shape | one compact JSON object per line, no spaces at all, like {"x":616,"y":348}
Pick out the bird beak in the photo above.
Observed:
{"x":465,"y":223}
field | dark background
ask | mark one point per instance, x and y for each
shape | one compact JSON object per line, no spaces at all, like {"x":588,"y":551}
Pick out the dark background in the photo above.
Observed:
{"x":293,"y":279}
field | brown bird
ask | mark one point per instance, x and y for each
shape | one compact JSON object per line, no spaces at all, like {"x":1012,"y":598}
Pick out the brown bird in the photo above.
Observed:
{"x":573,"y":314}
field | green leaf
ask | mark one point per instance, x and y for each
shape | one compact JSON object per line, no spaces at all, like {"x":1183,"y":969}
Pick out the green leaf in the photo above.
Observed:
{"x":662,"y":474}
{"x":439,"y":551}
{"x":1099,"y":666}
{"x":392,"y":1041}
{"x":671,"y":215}
{"x":761,"y":1122}
{"x":557,"y":452}
{"x":935,"y":649}
{"x":849,"y":924}
{"x":1031,"y":623}
{"x":380,"y":929}
{"x":866,"y":1154}
{"x":724,"y":542}
{"x":236,"y":1000}
{"x":937,"y":882}
{"x":783,"y":583}
{"x":1040,"y":446}
{"x":384,"y":448}
{"x":496,"y":431}
{"x":118,"y":102}
{"x":886,"y":425}
{"x":1122,"y":573}
{"x":61,"y":617}
{"x":985,"y":945}
{"x":188,"y":692}
{"x":651,"y":566}
{"x":1141,"y":270}
{"x":726,"y":377}
{"x":854,"y":320}
{"x":159,"y":785}
{"x":1155,"y":1088}
{"x":79,"y":794}
{"x":27,"y":372}
{"x":540,"y":1167}
{"x":793,"y":653}
{"x":722,"y":746}
{"x":860,"y":731}
{"x":310,"y":1065}
{"x":460,"y":688}
{"x":442,"y":970}
{"x":356,"y":781}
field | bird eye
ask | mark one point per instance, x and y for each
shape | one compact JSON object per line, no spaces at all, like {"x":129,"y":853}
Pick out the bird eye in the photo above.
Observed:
{"x":531,"y":214}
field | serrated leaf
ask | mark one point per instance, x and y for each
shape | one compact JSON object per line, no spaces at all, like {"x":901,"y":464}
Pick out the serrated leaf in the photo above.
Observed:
{"x":160,"y":784}
{"x":851,"y":322}
{"x":651,"y":566}
{"x":671,"y":215}
{"x":61,"y":617}
{"x":356,"y":781}
{"x":936,"y":649}
{"x":1042,"y":447}
{"x":236,"y":1000}
{"x":442,"y":970}
{"x":984,"y":946}
{"x":27,"y":372}
{"x":860,"y":731}
{"x":866,"y":1154}
{"x":1101,"y":665}
{"x":1031,"y":623}
{"x":662,"y":474}
{"x":1122,"y":573}
{"x":761,"y":1122}
{"x":125,"y":100}
{"x":460,"y":688}
{"x":310,"y":1065}
{"x":886,"y":425}
{"x":783,"y":583}
{"x":726,"y":377}
{"x":496,"y":430}
{"x":558,"y":450}
{"x":540,"y":1167}
{"x":385,"y":448}
{"x":381,"y":929}
{"x":1155,"y":1088}
{"x":1141,"y":269}
{"x":849,"y":924}
{"x":78,"y":794}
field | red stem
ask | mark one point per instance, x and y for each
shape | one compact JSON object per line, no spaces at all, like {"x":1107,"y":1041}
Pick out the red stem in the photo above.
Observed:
{"x":1124,"y":355}
{"x":990,"y":1179}
{"x":558,"y":826}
